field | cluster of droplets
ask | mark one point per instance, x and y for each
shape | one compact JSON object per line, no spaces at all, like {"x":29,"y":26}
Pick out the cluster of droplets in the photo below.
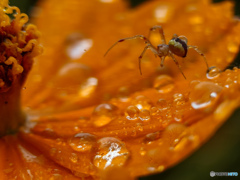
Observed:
{"x":139,"y":109}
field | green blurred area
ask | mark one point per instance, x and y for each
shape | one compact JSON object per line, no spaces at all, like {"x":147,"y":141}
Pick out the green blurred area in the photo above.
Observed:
{"x":220,"y":154}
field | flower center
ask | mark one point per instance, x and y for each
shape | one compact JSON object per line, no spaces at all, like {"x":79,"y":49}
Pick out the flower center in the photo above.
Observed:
{"x":18,"y":46}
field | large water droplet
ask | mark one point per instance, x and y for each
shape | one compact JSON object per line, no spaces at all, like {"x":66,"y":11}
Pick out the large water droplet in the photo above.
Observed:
{"x":132,"y":113}
{"x":77,"y":45}
{"x":163,"y":84}
{"x":88,"y":87}
{"x":111,"y":152}
{"x":213,"y":72}
{"x":72,"y":74}
{"x":82,"y":142}
{"x":204,"y":94}
{"x":103,"y":114}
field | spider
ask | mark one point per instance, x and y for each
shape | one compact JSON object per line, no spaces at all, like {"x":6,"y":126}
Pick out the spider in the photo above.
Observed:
{"x":176,"y":46}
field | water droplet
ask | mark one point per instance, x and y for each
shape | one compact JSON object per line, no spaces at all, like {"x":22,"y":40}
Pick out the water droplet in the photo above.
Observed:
{"x":178,"y":116}
{"x":142,"y":102}
{"x":82,"y":142}
{"x":132,"y":113}
{"x":88,"y":87}
{"x":162,"y":104}
{"x":72,"y":74}
{"x":178,"y":99}
{"x":204,"y":94}
{"x":103,"y":114}
{"x":142,"y":151}
{"x":74,"y":158}
{"x":172,"y":133}
{"x":111,"y":152}
{"x":151,"y":137}
{"x":163,"y":84}
{"x":233,"y":47}
{"x":123,"y":94}
{"x":77,"y":45}
{"x":139,"y":126}
{"x":162,"y":13}
{"x":154,"y":111}
{"x":144,"y":115}
{"x":56,"y":177}
{"x":213,"y":72}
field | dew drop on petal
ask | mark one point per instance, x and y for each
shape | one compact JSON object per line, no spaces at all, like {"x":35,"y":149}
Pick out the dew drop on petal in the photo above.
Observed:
{"x":72,"y":73}
{"x":142,"y":102}
{"x":163,"y":84}
{"x":77,"y":45}
{"x":56,"y":177}
{"x":88,"y":87}
{"x":154,"y":111}
{"x":162,"y":13}
{"x":172,"y":133}
{"x":204,"y":94}
{"x":151,"y":137}
{"x":82,"y":142}
{"x":123,"y":94}
{"x":178,"y":99}
{"x":74,"y":157}
{"x":111,"y":153}
{"x":132,"y":113}
{"x":103,"y":114}
{"x":144,"y":115}
{"x":162,"y":104}
{"x":213,"y":72}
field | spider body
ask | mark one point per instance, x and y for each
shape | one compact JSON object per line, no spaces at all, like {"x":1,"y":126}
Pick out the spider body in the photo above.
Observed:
{"x":176,"y":46}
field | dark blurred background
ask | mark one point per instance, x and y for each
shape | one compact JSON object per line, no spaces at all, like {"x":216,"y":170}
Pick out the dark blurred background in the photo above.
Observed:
{"x":220,"y":154}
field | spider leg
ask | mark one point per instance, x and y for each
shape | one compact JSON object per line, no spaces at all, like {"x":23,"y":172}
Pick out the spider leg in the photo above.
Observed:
{"x":176,"y":62}
{"x":146,"y":41}
{"x":148,"y":46}
{"x":160,"y":31}
{"x":162,"y":60}
{"x":199,"y":52}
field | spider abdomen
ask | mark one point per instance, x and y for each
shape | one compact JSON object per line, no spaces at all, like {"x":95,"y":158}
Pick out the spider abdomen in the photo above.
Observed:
{"x":178,"y":47}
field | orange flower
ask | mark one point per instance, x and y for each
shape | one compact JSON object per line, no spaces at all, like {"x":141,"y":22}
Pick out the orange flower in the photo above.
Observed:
{"x":90,"y":116}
